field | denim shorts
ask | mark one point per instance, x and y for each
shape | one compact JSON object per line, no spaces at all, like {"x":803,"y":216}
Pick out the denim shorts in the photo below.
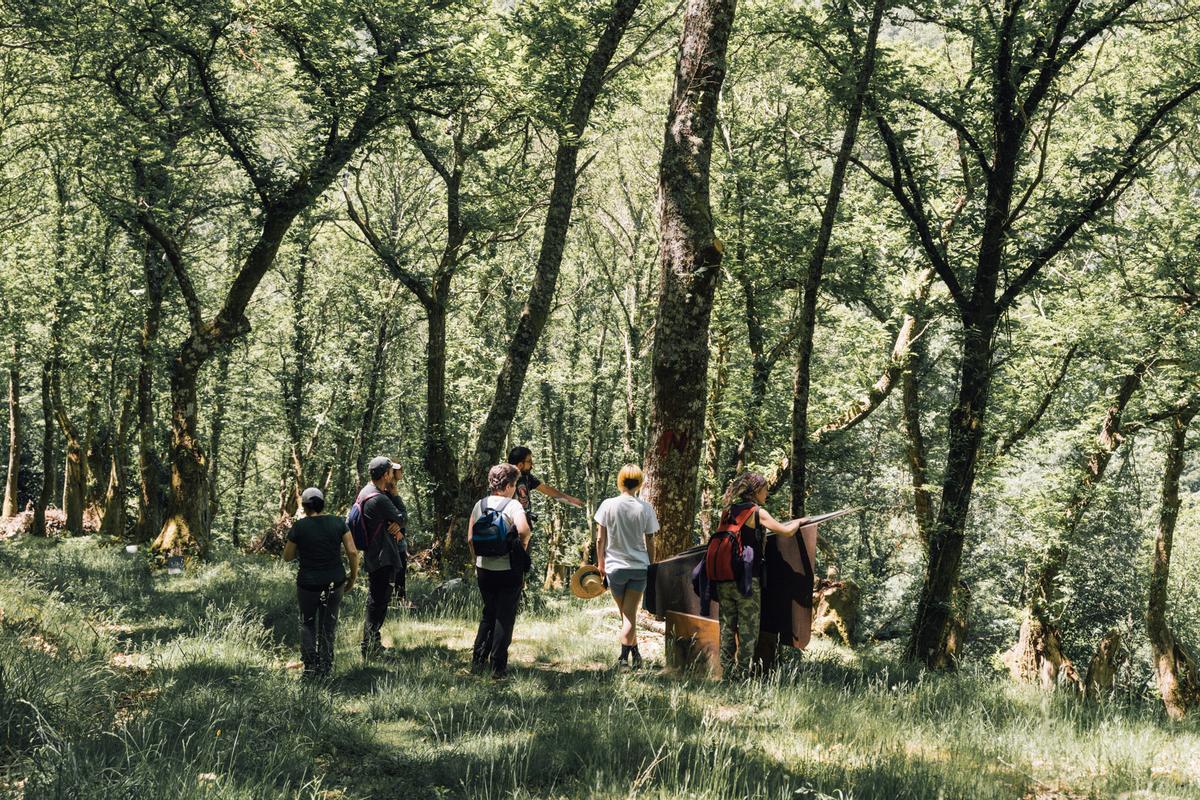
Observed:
{"x":621,"y":579}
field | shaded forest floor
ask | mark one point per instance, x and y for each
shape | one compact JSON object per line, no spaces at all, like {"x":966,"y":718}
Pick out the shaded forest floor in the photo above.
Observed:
{"x":115,"y":682}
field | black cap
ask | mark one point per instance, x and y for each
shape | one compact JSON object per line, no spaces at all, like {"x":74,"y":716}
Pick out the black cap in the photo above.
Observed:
{"x":380,"y":465}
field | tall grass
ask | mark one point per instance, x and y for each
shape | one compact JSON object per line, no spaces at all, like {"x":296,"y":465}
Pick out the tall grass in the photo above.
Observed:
{"x":119,"y":682}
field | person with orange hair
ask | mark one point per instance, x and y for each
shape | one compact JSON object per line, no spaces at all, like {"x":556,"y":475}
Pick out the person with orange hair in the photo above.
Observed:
{"x":623,"y":552}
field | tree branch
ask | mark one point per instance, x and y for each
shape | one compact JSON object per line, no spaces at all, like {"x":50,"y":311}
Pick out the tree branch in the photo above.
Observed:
{"x":1048,"y":397}
{"x":913,"y":206}
{"x":1131,"y":159}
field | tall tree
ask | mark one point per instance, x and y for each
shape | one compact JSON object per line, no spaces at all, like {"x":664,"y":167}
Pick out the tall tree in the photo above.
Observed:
{"x":1024,"y":60}
{"x":348,"y":70}
{"x":1175,"y":668}
{"x":11,"y":484}
{"x":689,"y":266}
{"x":511,"y":378}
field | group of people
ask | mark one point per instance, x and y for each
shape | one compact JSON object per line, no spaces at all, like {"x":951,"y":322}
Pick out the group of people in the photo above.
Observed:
{"x":626,"y":525}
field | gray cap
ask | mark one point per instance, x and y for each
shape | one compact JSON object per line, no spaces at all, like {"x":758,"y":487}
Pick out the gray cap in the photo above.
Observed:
{"x":311,"y":493}
{"x":380,"y":465}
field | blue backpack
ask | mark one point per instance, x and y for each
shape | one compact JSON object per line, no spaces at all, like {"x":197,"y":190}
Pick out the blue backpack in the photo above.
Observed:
{"x":492,"y":534}
{"x":356,"y":521}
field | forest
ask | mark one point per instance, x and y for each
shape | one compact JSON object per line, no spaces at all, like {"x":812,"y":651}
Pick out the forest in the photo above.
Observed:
{"x":934,"y":261}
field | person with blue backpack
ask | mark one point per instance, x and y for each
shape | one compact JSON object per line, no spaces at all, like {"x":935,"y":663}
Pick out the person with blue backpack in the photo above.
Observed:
{"x":499,"y":540}
{"x":733,"y":563}
{"x":317,"y":540}
{"x":377,"y":527}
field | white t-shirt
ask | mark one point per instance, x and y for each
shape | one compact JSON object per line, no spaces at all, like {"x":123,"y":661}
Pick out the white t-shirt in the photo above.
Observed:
{"x":513,"y":513}
{"x":629,"y":521}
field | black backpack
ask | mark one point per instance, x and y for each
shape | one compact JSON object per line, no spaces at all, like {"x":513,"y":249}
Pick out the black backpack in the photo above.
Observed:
{"x":492,"y":534}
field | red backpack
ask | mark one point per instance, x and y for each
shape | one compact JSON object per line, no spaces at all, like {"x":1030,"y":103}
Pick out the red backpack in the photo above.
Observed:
{"x":724,"y":560}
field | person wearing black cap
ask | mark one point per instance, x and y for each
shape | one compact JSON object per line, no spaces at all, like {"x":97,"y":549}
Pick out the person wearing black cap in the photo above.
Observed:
{"x":381,"y":559}
{"x":317,"y":539}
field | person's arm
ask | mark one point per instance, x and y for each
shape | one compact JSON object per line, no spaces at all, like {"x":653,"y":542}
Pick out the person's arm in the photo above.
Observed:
{"x":289,"y":550}
{"x":788,"y":528}
{"x":550,"y":491}
{"x":601,"y":547}
{"x":471,"y":532}
{"x":383,"y":505}
{"x":352,"y":555}
{"x":521,"y":521}
{"x":652,"y":527}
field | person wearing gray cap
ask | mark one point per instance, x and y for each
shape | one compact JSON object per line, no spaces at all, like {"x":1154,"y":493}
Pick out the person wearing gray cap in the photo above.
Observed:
{"x":317,"y":539}
{"x":383,"y":530}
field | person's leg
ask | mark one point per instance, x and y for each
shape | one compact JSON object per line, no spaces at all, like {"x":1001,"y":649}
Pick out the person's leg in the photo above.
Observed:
{"x":616,"y":585}
{"x":750,"y":620}
{"x":327,"y":633}
{"x":402,"y":576}
{"x":617,"y":591}
{"x":307,"y":601}
{"x":630,"y":602}
{"x":727,"y":596}
{"x":379,"y":593}
{"x":487,"y":624}
{"x":507,"y":599}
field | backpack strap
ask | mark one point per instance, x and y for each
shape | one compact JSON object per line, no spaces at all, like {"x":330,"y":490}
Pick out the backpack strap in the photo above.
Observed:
{"x":735,"y":525}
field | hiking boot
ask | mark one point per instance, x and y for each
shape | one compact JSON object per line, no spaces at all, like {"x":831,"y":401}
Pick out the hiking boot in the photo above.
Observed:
{"x":636,"y":660}
{"x":500,"y":675}
{"x":375,"y":651}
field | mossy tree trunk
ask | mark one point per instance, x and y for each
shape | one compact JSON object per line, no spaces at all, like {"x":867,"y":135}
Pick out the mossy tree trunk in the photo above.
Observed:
{"x":11,"y":482}
{"x":689,"y":266}
{"x":1174,"y":667}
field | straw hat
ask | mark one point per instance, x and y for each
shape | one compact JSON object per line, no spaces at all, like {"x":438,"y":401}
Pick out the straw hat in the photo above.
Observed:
{"x":587,"y":582}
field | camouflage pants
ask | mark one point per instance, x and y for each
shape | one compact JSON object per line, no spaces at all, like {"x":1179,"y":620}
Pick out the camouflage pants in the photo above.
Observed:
{"x":740,"y":618}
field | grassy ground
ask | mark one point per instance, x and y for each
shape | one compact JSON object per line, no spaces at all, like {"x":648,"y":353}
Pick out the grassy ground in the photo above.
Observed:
{"x":118,"y":683}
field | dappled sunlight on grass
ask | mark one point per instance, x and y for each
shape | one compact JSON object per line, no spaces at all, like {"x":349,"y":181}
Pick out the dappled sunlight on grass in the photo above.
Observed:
{"x":176,"y":688}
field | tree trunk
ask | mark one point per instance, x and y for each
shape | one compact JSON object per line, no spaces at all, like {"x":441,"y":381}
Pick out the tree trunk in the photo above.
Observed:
{"x":594,"y":475}
{"x":438,"y":457}
{"x":239,"y":494}
{"x":760,"y":376}
{"x":149,"y":518}
{"x":48,"y":472}
{"x":965,"y":432}
{"x":801,"y":387}
{"x":115,"y":512}
{"x":376,"y":388}
{"x":915,"y":451}
{"x":221,"y":390}
{"x":1041,"y":614}
{"x":1174,"y":667}
{"x":689,"y":266}
{"x":292,"y":386}
{"x":801,"y":390}
{"x":75,"y":475}
{"x":186,"y":523}
{"x":11,"y":482}
{"x":511,"y":378}
{"x":710,"y":494}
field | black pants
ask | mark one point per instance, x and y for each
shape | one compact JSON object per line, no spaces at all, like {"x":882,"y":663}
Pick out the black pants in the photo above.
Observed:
{"x":379,"y":594}
{"x":501,"y":592}
{"x":318,"y":626}
{"x":402,"y":575}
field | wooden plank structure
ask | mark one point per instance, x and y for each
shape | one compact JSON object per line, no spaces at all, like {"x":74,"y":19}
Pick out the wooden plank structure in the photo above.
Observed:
{"x":693,"y":639}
